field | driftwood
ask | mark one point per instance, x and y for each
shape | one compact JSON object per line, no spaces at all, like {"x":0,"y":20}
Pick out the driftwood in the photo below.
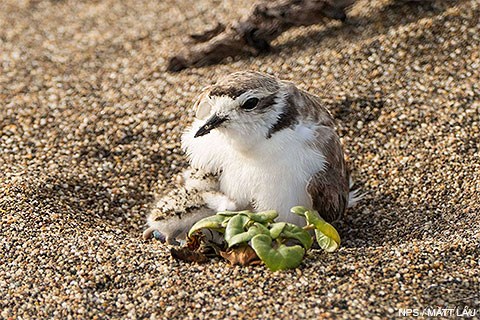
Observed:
{"x":253,"y":34}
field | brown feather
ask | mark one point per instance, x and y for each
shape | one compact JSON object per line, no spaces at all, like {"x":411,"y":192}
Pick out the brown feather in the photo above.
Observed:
{"x":328,"y":188}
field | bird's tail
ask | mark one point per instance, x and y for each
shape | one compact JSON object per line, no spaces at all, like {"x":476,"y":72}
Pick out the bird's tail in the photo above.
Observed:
{"x":354,"y":196}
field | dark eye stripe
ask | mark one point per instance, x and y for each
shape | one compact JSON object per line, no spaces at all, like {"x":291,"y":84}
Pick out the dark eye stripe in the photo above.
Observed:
{"x":267,"y":101}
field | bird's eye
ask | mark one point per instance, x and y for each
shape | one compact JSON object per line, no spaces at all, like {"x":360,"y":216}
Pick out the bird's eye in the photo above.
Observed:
{"x":250,"y":104}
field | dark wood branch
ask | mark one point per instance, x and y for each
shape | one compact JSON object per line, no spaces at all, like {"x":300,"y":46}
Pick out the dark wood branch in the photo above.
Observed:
{"x":253,"y":34}
{"x":208,"y":34}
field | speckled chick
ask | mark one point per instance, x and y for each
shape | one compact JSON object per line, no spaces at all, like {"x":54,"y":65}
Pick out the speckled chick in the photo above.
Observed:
{"x":195,"y":196}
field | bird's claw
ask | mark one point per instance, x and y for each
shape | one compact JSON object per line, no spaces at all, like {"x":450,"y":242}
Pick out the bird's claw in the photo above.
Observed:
{"x":157,"y":235}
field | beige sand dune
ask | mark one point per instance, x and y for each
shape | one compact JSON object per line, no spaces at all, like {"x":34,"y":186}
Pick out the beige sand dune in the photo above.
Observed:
{"x":89,"y":132}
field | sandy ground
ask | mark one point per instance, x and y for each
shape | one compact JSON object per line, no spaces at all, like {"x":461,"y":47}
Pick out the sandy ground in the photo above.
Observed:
{"x":89,"y":130}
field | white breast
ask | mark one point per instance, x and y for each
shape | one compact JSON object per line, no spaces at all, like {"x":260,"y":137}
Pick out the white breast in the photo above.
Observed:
{"x":273,"y":175}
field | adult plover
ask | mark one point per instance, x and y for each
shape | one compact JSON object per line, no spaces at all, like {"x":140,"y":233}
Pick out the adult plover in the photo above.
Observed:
{"x":268,"y":145}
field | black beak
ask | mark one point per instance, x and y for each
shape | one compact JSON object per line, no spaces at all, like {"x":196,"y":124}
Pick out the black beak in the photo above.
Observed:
{"x":211,"y":124}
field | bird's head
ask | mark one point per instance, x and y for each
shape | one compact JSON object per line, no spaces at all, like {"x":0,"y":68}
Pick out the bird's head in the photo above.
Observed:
{"x":243,"y":106}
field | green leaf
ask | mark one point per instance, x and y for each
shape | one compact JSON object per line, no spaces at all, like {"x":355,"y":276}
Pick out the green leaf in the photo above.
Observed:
{"x":276,"y":229}
{"x":246,"y":236}
{"x":261,"y":228}
{"x":235,"y":226}
{"x":326,"y":243}
{"x":299,"y":210}
{"x":311,"y":216}
{"x":243,"y":237}
{"x":225,"y":221}
{"x":326,"y":235}
{"x":329,"y":231}
{"x":229,"y":214}
{"x":292,"y":231}
{"x":280,"y":258}
{"x":212,"y":222}
{"x":263,"y":217}
{"x":232,"y":213}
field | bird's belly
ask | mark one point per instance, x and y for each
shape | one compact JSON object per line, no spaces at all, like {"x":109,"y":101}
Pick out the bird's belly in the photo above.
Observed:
{"x":272,"y":185}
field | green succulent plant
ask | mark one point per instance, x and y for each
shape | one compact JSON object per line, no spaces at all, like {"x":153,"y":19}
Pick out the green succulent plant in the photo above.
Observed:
{"x":280,"y":245}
